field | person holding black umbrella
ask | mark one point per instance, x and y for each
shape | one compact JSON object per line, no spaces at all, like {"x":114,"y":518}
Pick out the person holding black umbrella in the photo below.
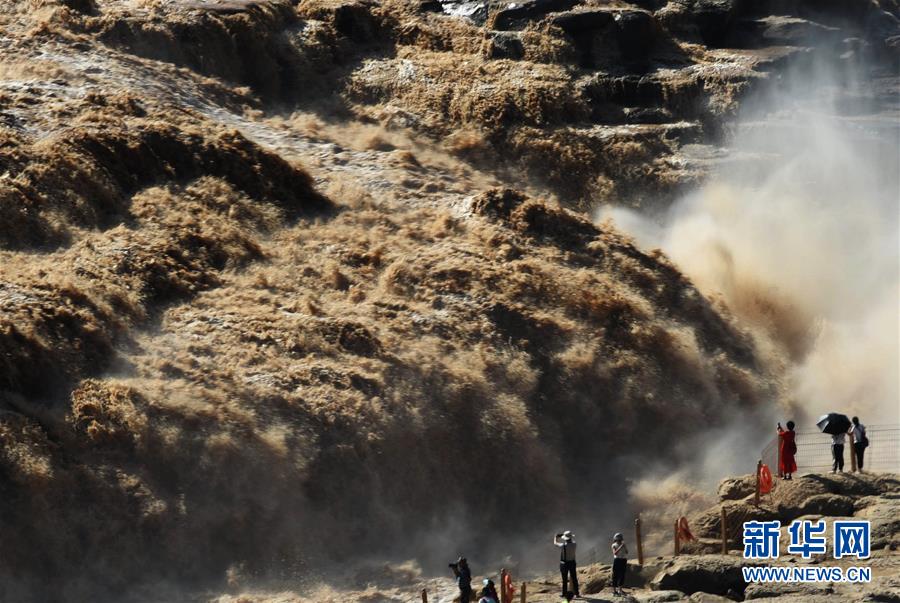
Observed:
{"x":837,"y":425}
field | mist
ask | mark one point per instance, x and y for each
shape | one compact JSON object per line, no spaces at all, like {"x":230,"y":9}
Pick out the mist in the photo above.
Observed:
{"x":797,"y":236}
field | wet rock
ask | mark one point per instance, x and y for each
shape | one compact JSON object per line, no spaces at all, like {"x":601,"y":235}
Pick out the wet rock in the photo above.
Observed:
{"x":87,"y":7}
{"x":583,"y":21}
{"x":709,"y":20}
{"x":519,"y":15}
{"x":477,"y":11}
{"x":506,"y":45}
{"x":351,"y":18}
{"x":637,"y":33}
{"x":593,"y":35}
{"x":497,"y":203}
{"x":430,"y":6}
{"x":786,"y":31}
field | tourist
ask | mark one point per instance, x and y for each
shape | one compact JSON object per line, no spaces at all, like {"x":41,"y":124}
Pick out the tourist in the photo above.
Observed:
{"x":567,"y":566}
{"x":787,"y":449}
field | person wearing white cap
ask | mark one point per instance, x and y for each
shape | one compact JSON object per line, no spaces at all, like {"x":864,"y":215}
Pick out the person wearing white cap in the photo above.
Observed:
{"x":567,"y":567}
{"x":620,"y":563}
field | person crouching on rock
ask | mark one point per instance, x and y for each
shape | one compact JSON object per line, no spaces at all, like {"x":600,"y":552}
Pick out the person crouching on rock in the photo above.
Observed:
{"x":463,"y":579}
{"x":567,"y":565}
{"x":620,"y":563}
{"x":787,"y":449}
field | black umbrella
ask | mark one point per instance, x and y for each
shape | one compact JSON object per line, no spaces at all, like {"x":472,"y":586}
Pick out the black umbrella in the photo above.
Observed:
{"x":833,"y":423}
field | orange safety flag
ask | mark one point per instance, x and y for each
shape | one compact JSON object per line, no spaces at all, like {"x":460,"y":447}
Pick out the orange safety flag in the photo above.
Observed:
{"x":765,"y":479}
{"x":684,"y":532}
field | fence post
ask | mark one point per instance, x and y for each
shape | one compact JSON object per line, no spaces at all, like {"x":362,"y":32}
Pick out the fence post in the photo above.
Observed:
{"x":637,"y":538}
{"x":523,"y":596}
{"x":504,"y":596}
{"x":852,"y":453}
{"x":424,"y":596}
{"x":675,"y":534}
{"x":724,"y":531}
{"x":758,"y":468}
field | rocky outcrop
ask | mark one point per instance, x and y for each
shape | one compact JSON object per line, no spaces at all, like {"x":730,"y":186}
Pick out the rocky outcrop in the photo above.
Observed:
{"x":716,"y":574}
{"x":736,"y":488}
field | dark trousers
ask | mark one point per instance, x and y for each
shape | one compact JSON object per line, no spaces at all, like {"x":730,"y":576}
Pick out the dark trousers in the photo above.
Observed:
{"x":837,"y":451}
{"x":860,"y":453}
{"x":567,"y":569}
{"x":465,"y":594}
{"x":618,"y":571}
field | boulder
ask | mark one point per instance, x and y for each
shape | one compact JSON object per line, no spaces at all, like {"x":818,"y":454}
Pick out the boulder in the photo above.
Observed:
{"x":788,"y":497}
{"x":715,"y":574}
{"x":830,"y":505}
{"x":708,"y":523}
{"x":764,"y":590}
{"x":884,"y":514}
{"x":702,"y":546}
{"x":853,"y":484}
{"x":581,"y":22}
{"x":430,"y":6}
{"x":661,"y":596}
{"x":506,"y":45}
{"x":736,"y":488}
{"x":517,"y":16}
{"x":87,"y":7}
{"x":708,"y":598}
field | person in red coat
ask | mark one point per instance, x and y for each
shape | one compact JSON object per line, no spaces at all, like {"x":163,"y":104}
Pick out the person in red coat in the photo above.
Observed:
{"x":787,"y":449}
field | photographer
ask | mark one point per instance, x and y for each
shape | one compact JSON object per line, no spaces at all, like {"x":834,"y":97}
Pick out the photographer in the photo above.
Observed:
{"x":567,"y":567}
{"x":463,"y":579}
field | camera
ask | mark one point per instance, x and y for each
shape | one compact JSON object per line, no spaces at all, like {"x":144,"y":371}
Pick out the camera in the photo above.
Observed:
{"x":453,"y":565}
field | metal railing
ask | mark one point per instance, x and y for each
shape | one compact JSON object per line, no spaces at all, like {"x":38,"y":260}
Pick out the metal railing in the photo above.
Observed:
{"x":814,"y":451}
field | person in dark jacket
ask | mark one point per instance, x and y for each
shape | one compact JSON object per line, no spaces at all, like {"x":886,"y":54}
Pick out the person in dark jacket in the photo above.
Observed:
{"x":860,"y":442}
{"x":567,"y":566}
{"x":463,"y":579}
